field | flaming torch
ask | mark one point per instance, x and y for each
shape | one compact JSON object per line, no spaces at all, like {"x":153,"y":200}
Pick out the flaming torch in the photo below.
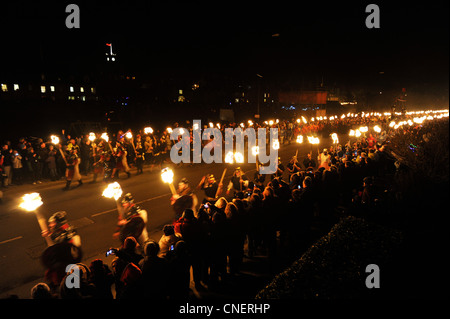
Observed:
{"x":255,"y":152}
{"x":113,"y":190}
{"x":91,"y":136}
{"x":54,"y":139}
{"x":148,"y":130}
{"x":239,"y":157}
{"x":31,"y":203}
{"x":167,"y":177}
{"x":314,"y":140}
{"x":229,"y":158}
{"x":275,"y":144}
{"x":105,"y":137}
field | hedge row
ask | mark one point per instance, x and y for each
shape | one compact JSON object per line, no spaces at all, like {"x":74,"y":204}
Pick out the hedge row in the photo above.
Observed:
{"x":335,"y":266}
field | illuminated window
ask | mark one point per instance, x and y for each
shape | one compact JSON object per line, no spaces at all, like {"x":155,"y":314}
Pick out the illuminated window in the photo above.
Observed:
{"x":92,"y":90}
{"x":42,"y":88}
{"x":16,"y":87}
{"x":81,"y":89}
{"x":4,"y":88}
{"x":52,"y":88}
{"x":181,"y":98}
{"x":71,"y":89}
{"x":180,"y":91}
{"x":83,"y":98}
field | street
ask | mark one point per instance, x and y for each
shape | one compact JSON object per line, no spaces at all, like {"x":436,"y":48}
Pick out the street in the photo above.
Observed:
{"x":95,"y":216}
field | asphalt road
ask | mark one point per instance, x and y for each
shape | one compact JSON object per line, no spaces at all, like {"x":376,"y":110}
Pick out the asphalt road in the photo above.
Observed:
{"x":95,"y":216}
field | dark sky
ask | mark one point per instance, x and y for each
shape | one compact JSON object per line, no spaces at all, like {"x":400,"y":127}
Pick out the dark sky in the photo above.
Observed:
{"x":327,"y":39}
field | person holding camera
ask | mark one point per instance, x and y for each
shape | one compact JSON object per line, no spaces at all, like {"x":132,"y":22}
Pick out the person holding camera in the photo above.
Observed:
{"x":168,"y":240}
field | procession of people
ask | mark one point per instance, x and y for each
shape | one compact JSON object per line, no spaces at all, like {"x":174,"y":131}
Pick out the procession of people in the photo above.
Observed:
{"x":279,"y":214}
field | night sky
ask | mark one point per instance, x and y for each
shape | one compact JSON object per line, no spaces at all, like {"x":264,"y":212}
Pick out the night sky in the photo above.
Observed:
{"x":327,"y":39}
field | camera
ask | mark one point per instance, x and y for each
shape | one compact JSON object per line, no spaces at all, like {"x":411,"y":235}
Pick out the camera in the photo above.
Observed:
{"x":111,"y":251}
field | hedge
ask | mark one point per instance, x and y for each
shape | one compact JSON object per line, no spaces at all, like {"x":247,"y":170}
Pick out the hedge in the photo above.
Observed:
{"x":334,"y":267}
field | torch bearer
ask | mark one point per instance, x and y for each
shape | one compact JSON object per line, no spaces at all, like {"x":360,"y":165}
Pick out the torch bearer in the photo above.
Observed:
{"x":31,"y":203}
{"x":167,"y":177}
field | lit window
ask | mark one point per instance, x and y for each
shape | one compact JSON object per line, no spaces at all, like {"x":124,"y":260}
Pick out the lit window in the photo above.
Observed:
{"x":180,"y":91}
{"x":16,"y":87}
{"x":52,"y":88}
{"x":83,"y":98}
{"x":81,"y":89}
{"x":92,"y":90}
{"x":236,"y":100}
{"x":4,"y":88}
{"x":42,"y":88}
{"x":71,"y":89}
{"x":133,"y":78}
{"x":181,"y":98}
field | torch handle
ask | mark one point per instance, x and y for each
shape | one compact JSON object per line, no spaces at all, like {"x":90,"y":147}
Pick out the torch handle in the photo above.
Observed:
{"x":62,"y":154}
{"x":43,"y":225}
{"x":172,"y":189}
{"x":221,"y":180}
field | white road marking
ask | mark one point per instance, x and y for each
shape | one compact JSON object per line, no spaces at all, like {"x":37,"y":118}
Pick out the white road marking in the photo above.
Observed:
{"x":142,"y":201}
{"x":10,"y":240}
